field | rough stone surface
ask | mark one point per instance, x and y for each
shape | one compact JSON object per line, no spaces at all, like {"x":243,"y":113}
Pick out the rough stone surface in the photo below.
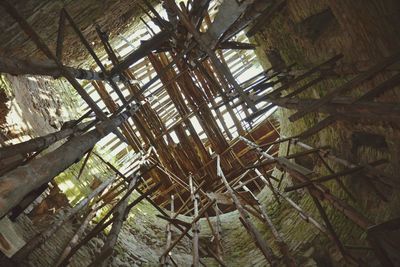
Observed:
{"x":113,"y":16}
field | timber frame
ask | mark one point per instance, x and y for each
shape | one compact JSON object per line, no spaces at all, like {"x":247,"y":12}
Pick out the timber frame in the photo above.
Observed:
{"x":211,"y":168}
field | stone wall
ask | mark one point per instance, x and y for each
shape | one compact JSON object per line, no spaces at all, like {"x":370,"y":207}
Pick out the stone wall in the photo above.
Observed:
{"x":364,"y":32}
{"x":43,"y":15}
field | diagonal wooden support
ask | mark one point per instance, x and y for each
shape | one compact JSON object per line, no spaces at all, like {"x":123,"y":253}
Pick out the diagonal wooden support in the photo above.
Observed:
{"x":236,"y":45}
{"x":64,"y":71}
{"x":253,"y":232}
{"x":283,"y":247}
{"x":165,"y":260}
{"x":119,"y":217}
{"x":330,"y":228}
{"x":94,"y":56}
{"x":348,"y":108}
{"x":338,"y":181}
{"x":349,"y":171}
{"x":300,"y":173}
{"x":27,"y":66}
{"x":39,"y":143}
{"x":46,"y":50}
{"x":218,"y":231}
{"x":347,"y":86}
{"x":306,"y":217}
{"x":144,"y":49}
{"x":19,"y":182}
{"x":104,"y":223}
{"x":319,"y":192}
{"x":84,"y":164}
{"x":185,"y":231}
{"x":369,"y":170}
{"x":74,"y":240}
{"x":299,"y":78}
{"x":42,"y":237}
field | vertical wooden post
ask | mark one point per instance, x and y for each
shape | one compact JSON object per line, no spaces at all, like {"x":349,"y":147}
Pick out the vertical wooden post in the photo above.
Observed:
{"x":165,"y":261}
{"x":218,"y":231}
{"x":195,"y":227}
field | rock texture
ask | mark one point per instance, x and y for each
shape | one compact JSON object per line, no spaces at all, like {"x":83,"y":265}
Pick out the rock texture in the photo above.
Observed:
{"x":113,"y":16}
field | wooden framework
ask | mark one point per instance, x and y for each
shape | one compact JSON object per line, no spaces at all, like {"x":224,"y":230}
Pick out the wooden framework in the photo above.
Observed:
{"x":181,"y":160}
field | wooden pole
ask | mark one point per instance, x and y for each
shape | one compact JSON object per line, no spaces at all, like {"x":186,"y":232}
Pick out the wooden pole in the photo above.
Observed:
{"x":283,"y":247}
{"x":220,"y":67}
{"x":46,"y":50}
{"x":195,"y":226}
{"x":39,"y":143}
{"x":218,"y":231}
{"x":165,"y":260}
{"x":119,"y":218}
{"x":185,"y":231}
{"x":102,"y":224}
{"x":16,"y":66}
{"x":244,"y":218}
{"x":42,"y":237}
{"x":94,"y":56}
{"x":74,"y":240}
{"x":318,"y":190}
{"x":16,"y":184}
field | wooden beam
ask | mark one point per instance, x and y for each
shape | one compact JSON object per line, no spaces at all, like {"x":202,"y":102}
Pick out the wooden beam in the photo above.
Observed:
{"x":43,"y":236}
{"x":383,"y":64}
{"x":244,"y":218}
{"x":19,"y":182}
